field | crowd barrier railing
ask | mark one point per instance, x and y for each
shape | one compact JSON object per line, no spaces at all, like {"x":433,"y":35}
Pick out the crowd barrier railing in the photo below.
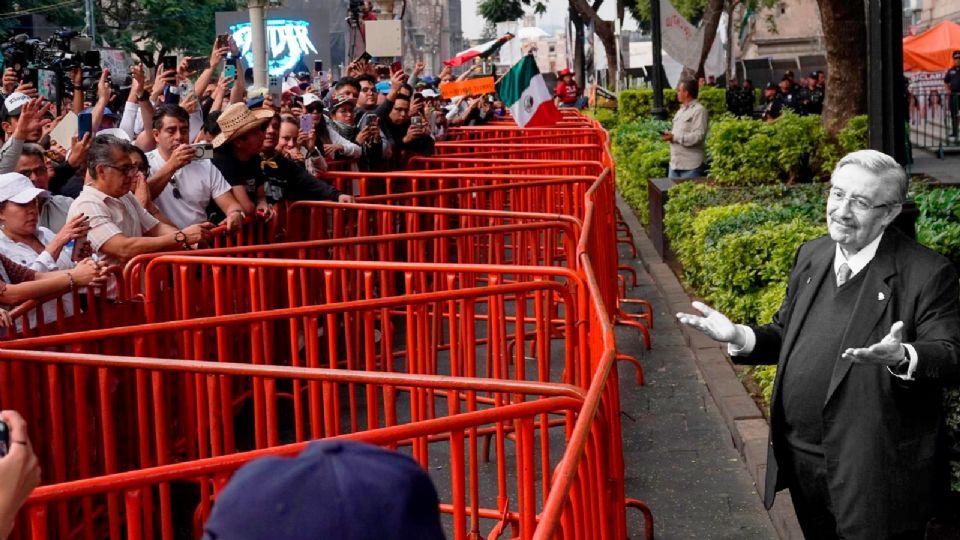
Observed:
{"x":172,"y":499}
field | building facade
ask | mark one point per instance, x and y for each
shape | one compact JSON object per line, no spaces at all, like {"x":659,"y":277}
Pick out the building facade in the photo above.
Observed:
{"x":790,"y":29}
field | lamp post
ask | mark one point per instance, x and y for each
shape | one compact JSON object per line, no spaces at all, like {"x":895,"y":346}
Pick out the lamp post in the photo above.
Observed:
{"x":657,"y":111}
{"x":258,"y":42}
{"x":886,"y":103}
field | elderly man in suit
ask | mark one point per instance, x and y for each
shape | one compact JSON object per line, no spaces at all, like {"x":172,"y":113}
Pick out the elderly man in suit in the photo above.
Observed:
{"x":865,"y":339}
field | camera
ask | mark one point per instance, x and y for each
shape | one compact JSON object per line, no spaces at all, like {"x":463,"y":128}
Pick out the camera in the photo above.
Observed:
{"x":64,"y":51}
{"x":202,"y":151}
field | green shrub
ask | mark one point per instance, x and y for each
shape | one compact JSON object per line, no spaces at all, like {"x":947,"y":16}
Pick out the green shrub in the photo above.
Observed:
{"x":938,"y":225}
{"x":608,"y":118}
{"x":852,"y":137}
{"x":745,"y":151}
{"x":714,"y":100}
{"x":639,"y":155}
{"x":637,"y":103}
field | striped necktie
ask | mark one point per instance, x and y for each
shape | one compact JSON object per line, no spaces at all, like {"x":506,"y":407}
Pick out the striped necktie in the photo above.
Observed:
{"x":843,"y":274}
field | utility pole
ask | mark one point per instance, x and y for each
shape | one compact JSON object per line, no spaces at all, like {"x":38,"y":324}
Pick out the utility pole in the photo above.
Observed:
{"x":91,"y":21}
{"x":258,"y":42}
{"x":657,"y":111}
{"x":886,"y":103}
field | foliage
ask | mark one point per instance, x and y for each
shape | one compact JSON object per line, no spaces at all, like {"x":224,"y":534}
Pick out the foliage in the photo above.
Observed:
{"x":637,"y":103}
{"x":714,"y":100}
{"x":745,"y":151}
{"x":608,"y":118}
{"x":938,"y":225}
{"x":150,"y":28}
{"x":852,"y":137}
{"x":495,"y":11}
{"x":639,"y":155}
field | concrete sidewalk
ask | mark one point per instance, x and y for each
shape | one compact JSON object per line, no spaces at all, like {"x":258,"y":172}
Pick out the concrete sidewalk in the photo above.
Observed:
{"x":694,"y":441}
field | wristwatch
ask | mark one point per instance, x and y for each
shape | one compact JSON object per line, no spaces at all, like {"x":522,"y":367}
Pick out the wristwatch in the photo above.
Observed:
{"x":181,"y":238}
{"x":145,"y":95}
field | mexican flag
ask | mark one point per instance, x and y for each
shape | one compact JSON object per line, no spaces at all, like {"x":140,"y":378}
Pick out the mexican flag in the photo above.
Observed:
{"x":525,"y":92}
{"x":483,"y":50}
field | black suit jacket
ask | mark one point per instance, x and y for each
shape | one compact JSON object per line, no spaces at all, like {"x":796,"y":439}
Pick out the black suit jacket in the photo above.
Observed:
{"x":882,"y":436}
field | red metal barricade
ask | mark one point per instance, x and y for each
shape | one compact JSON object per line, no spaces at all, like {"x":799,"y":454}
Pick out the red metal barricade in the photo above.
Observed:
{"x":469,"y":299}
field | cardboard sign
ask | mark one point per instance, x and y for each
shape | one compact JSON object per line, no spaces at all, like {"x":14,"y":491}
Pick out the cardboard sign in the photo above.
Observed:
{"x":482,"y":85}
{"x":65,"y":130}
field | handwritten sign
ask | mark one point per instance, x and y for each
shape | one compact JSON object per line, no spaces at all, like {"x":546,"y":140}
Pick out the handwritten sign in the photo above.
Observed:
{"x":482,"y":85}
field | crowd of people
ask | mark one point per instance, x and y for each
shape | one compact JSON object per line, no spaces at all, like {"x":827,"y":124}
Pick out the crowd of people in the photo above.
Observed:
{"x":802,"y":98}
{"x":187,"y":151}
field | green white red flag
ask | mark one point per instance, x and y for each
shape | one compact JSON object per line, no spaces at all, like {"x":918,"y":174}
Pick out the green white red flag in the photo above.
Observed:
{"x":525,"y":92}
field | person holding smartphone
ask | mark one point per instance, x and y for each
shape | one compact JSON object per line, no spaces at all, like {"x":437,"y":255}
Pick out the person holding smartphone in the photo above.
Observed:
{"x":19,"y":471}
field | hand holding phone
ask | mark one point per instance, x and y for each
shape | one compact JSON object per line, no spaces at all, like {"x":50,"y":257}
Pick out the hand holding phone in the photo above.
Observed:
{"x":84,"y":124}
{"x":306,"y":123}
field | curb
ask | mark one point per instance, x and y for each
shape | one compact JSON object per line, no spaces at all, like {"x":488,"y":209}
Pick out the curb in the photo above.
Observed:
{"x":748,"y":428}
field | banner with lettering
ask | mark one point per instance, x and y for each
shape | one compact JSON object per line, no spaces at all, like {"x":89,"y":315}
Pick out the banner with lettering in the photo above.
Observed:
{"x":469,"y":87}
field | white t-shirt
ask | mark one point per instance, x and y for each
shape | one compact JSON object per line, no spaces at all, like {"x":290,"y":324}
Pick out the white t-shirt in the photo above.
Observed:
{"x":198,"y":183}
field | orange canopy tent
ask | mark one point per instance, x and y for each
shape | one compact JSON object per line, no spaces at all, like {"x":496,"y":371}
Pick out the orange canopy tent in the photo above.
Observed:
{"x":932,"y":50}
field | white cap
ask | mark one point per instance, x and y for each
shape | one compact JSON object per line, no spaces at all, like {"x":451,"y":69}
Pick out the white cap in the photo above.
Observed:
{"x":14,"y":101}
{"x":17,"y":188}
{"x":429,"y":92}
{"x":309,"y":98}
{"x":116,"y":132}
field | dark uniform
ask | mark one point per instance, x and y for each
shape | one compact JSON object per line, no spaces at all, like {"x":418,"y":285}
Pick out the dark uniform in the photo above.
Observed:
{"x":952,"y":79}
{"x":791,"y":100}
{"x":772,"y":107}
{"x":747,"y":101}
{"x":811,"y":100}
{"x":733,"y":100}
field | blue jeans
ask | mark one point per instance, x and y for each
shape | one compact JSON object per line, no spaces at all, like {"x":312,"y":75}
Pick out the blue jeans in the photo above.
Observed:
{"x":688,"y":173}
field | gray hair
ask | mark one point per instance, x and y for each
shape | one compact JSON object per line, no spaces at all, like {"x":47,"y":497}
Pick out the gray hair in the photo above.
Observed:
{"x":33,"y":149}
{"x":880,"y":165}
{"x":101,"y":151}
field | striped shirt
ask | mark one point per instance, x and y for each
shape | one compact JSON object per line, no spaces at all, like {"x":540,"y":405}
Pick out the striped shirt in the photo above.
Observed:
{"x":110,"y":216}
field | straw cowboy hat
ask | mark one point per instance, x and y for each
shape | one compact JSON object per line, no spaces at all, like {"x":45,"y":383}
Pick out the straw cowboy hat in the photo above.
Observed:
{"x":237,"y":119}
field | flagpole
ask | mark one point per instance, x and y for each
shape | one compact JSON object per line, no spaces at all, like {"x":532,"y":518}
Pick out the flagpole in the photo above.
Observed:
{"x":657,"y":111}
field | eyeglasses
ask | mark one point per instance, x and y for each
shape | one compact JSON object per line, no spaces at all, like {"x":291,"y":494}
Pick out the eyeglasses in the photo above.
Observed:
{"x":176,"y":190}
{"x":127,"y":170}
{"x":858,"y":204}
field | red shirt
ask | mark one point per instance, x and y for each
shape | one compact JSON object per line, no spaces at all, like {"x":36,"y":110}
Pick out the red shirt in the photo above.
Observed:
{"x":568,"y":93}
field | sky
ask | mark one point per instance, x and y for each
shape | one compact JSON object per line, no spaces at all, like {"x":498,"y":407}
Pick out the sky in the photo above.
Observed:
{"x":550,"y":21}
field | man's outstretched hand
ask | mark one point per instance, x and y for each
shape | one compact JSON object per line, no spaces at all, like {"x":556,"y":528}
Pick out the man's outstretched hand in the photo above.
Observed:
{"x":889,"y":351}
{"x":714,"y":324}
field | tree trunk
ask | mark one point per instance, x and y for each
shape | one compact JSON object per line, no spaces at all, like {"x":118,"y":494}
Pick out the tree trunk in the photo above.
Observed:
{"x":729,"y":68}
{"x":845,"y":33}
{"x":711,"y":20}
{"x":604,"y":29}
{"x":578,"y":59}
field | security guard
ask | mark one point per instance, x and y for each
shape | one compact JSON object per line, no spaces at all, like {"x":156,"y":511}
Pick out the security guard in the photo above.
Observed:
{"x":952,"y":83}
{"x":811,"y":97}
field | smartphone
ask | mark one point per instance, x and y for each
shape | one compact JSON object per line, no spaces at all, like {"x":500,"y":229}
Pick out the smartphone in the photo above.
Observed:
{"x":4,"y":439}
{"x":31,"y":76}
{"x":81,"y":249}
{"x":169,"y":62}
{"x":368,"y":119}
{"x":202,"y":151}
{"x":306,"y":123}
{"x":365,"y":57}
{"x":223,"y":40}
{"x":197,"y":64}
{"x":47,"y":85}
{"x":84,"y":124}
{"x":318,"y":66}
{"x":230,"y":69}
{"x":416,"y":120}
{"x":171,"y":95}
{"x":395,"y":67}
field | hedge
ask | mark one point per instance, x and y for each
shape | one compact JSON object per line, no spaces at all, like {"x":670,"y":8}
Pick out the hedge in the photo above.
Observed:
{"x":737,"y":246}
{"x":639,"y":154}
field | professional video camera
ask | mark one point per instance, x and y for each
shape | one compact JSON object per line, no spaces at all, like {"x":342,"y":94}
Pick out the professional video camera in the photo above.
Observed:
{"x":355,"y":10}
{"x":48,"y":64}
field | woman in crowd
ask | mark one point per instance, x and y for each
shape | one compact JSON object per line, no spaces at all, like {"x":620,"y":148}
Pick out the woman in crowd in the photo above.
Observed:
{"x":35,"y":262}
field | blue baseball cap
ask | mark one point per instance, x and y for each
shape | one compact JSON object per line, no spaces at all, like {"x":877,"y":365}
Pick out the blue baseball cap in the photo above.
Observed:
{"x":383,"y":87}
{"x":333,"y":489}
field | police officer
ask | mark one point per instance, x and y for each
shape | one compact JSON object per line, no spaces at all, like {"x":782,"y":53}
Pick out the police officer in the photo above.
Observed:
{"x":811,"y":97}
{"x":789,"y":96}
{"x":772,"y":102}
{"x":952,"y":83}
{"x":733,"y":97}
{"x":748,"y":100}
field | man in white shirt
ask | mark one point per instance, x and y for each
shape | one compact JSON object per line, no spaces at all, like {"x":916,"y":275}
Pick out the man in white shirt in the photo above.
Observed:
{"x":864,"y":342}
{"x":688,"y":134}
{"x":183,"y":186}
